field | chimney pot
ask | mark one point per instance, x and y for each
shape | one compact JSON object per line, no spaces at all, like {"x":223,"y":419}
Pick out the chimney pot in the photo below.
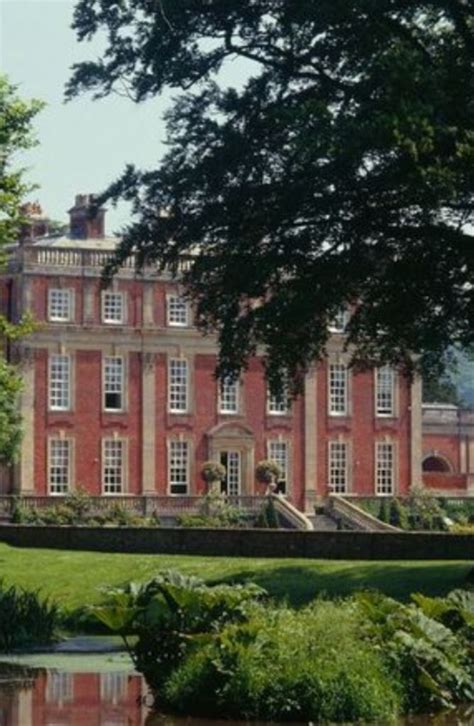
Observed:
{"x":86,"y":221}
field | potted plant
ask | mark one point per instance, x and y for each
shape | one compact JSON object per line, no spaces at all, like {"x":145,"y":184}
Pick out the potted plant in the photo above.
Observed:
{"x":213,"y":474}
{"x":267,"y":473}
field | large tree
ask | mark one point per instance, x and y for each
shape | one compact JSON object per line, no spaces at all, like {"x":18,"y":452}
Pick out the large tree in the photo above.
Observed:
{"x":339,"y":173}
{"x":16,"y":118}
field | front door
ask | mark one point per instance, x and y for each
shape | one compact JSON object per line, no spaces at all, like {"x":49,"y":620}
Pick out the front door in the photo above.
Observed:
{"x":233,"y":465}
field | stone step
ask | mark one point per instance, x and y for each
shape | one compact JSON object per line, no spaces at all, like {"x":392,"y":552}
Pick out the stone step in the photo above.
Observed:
{"x":323,"y":523}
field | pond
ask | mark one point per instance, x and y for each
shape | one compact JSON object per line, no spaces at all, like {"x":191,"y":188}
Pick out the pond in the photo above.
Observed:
{"x":102,"y":689}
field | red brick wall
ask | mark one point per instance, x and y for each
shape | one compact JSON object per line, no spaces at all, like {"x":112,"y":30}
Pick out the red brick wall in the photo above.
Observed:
{"x":87,"y":424}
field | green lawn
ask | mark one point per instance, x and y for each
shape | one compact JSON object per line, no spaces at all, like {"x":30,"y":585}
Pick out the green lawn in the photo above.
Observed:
{"x":76,"y":578}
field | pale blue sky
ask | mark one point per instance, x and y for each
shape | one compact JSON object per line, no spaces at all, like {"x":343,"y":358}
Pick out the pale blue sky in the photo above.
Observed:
{"x":83,"y":144}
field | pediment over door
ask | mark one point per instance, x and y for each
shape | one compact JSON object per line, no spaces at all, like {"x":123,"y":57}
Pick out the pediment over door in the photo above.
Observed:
{"x":231,"y":431}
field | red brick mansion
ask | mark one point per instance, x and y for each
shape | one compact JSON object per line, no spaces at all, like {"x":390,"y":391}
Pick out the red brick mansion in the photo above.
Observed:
{"x":119,"y":394}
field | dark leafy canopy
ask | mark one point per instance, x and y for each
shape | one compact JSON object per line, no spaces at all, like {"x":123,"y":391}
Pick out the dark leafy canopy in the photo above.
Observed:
{"x":342,"y":171}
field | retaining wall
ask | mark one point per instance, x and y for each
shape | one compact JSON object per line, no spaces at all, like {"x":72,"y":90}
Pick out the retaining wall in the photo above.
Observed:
{"x":246,"y":543}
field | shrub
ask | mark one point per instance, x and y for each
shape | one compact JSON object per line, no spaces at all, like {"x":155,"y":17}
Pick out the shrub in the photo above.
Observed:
{"x":215,"y":512}
{"x":165,"y":612}
{"x":384,"y":512}
{"x":432,"y":663}
{"x":25,"y":618}
{"x":424,"y":511}
{"x":267,"y":471}
{"x":398,"y":515}
{"x":268,"y":517}
{"x":285,"y":665}
{"x":77,"y":509}
{"x":213,"y":471}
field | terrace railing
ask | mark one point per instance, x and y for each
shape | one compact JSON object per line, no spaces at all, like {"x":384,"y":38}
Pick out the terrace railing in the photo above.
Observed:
{"x":163,"y":506}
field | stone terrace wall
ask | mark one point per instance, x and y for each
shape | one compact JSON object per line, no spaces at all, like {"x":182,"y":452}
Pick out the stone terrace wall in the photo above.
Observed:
{"x":247,"y":543}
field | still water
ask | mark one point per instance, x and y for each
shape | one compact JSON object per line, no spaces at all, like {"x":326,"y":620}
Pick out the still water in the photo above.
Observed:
{"x":103,"y":690}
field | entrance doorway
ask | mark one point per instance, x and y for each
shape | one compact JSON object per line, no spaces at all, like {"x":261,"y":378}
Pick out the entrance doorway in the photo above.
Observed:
{"x":233,"y":465}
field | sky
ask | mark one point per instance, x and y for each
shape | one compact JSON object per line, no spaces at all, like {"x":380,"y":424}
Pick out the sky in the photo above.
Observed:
{"x":84,"y":144}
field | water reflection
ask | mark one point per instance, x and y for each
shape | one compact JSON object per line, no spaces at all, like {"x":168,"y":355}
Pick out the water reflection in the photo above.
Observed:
{"x":54,"y":697}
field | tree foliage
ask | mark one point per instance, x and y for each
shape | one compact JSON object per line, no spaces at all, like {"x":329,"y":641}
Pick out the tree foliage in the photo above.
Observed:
{"x":16,"y":117}
{"x":339,"y":174}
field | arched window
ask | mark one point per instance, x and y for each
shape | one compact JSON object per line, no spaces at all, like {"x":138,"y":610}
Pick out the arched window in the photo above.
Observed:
{"x":436,"y":464}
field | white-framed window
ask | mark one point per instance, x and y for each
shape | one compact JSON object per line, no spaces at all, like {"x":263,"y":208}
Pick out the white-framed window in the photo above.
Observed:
{"x":60,"y":305}
{"x":278,"y":404}
{"x":59,"y":382}
{"x":229,"y":396}
{"x":178,"y":385}
{"x":113,"y":383}
{"x":59,"y":465}
{"x":178,"y":466}
{"x":177,"y":311}
{"x":338,"y":389}
{"x":339,"y":322}
{"x":384,"y":467}
{"x":338,"y":466}
{"x":113,"y":307}
{"x":385,"y":391}
{"x":59,"y":687}
{"x":113,"y":466}
{"x":113,"y":687}
{"x":278,"y":452}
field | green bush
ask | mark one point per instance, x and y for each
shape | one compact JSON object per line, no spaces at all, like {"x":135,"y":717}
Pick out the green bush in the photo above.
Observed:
{"x":268,"y":517}
{"x":219,"y":652}
{"x":215,"y":512}
{"x":77,"y":509}
{"x":164,"y":614}
{"x":384,"y":511}
{"x":424,"y":511}
{"x":26,"y":619}
{"x":284,"y":665}
{"x":398,"y":514}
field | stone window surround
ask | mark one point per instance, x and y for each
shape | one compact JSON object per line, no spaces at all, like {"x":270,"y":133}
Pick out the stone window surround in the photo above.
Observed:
{"x":341,"y":439}
{"x":395,"y":466}
{"x":70,"y":304}
{"x":119,"y":294}
{"x":190,"y":464}
{"x":289,"y":458}
{"x":71,"y":389}
{"x":125,"y":368}
{"x":174,"y":296}
{"x":395,"y":395}
{"x":60,"y":436}
{"x":115,"y":437}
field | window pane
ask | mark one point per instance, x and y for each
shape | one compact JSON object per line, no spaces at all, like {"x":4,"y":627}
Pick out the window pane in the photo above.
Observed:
{"x":59,"y":466}
{"x":384,"y":468}
{"x":177,"y":311}
{"x":59,"y":305}
{"x":112,"y":471}
{"x":337,"y":389}
{"x":59,"y":382}
{"x":178,"y":386}
{"x":112,"y":307}
{"x":178,"y":467}
{"x":339,"y":323}
{"x":113,"y":383}
{"x":385,"y":392}
{"x":338,"y":466}
{"x":229,"y":397}
{"x":278,"y":452}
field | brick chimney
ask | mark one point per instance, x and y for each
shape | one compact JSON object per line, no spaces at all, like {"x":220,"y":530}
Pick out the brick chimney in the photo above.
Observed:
{"x":35,"y":223}
{"x":87,"y":221}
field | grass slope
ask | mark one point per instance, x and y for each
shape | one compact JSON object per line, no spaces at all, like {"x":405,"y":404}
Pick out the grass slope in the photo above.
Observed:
{"x":76,"y":578}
